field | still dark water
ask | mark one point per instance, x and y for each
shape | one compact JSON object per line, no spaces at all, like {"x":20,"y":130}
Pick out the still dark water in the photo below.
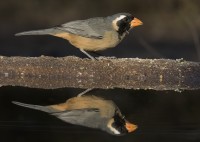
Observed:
{"x":160,"y":116}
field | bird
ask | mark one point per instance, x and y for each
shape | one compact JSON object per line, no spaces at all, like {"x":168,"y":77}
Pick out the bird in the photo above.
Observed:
{"x":89,"y":111}
{"x":93,"y":34}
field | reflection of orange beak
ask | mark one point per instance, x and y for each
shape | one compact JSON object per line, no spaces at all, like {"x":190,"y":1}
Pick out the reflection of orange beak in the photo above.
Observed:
{"x":136,"y":22}
{"x":130,"y":127}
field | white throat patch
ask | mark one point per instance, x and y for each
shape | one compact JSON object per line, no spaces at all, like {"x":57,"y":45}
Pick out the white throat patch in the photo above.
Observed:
{"x":114,"y":23}
{"x":109,"y":125}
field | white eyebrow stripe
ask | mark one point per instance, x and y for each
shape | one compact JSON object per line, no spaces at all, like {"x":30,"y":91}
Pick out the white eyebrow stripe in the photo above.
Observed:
{"x":114,"y":130}
{"x":120,"y":17}
{"x":109,"y":125}
{"x":116,"y":20}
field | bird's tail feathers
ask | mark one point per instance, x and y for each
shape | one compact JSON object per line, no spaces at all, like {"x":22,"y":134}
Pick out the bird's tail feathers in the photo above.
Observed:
{"x":50,"y":31}
{"x":36,"y":107}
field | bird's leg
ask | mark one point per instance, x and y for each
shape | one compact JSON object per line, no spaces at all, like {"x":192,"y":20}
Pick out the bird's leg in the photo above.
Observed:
{"x":84,"y":92}
{"x":91,"y":57}
{"x":127,"y":32}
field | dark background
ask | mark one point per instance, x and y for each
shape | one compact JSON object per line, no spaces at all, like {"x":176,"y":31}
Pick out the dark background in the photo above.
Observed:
{"x":171,"y":30}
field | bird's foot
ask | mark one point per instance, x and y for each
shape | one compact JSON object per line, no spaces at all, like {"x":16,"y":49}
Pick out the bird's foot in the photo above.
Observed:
{"x":84,"y":92}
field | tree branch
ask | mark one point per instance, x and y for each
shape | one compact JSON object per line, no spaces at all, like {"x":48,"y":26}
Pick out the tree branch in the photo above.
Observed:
{"x":133,"y":73}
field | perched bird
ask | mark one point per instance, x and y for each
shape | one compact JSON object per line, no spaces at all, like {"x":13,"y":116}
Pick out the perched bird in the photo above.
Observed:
{"x":93,"y":34}
{"x":89,"y":111}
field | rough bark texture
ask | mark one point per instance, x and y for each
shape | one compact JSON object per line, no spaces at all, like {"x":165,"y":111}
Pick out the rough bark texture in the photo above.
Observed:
{"x":133,"y":73}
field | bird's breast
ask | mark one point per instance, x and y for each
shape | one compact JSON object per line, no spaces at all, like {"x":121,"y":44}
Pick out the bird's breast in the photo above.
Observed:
{"x":109,"y":40}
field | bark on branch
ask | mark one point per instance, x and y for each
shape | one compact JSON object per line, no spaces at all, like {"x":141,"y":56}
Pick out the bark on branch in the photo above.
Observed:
{"x":133,"y":73}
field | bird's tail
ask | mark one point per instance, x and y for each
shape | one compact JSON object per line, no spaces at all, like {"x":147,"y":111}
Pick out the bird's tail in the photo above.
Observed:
{"x":50,"y":31}
{"x":36,"y":107}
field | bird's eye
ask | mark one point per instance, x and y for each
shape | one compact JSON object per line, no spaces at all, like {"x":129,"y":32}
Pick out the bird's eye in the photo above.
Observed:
{"x":126,"y":19}
{"x":124,"y":25}
{"x":119,"y":120}
{"x":119,"y":125}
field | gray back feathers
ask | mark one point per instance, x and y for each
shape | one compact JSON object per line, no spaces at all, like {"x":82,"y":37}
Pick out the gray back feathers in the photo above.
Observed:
{"x":91,"y":28}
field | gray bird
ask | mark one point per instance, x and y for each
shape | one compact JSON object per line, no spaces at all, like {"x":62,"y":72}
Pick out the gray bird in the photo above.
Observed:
{"x":93,"y":34}
{"x":89,"y":111}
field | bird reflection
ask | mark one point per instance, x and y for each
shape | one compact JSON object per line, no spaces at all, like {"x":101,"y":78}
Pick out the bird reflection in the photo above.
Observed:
{"x":89,"y":111}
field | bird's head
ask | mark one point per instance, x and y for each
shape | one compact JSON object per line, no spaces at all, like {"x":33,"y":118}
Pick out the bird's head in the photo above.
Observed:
{"x":118,"y":125}
{"x":123,"y":22}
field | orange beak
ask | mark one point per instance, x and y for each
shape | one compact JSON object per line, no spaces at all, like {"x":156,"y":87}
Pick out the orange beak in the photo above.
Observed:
{"x":130,"y":127}
{"x":136,"y":22}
